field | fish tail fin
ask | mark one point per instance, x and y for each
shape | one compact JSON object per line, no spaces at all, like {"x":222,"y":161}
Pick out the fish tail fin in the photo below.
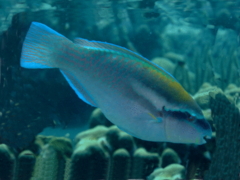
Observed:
{"x":42,"y":47}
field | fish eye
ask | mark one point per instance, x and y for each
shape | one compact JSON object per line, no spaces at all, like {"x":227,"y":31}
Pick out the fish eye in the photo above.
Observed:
{"x":190,"y":118}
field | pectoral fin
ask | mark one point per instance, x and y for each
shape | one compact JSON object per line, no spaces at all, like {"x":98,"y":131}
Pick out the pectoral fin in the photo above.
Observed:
{"x":155,"y":119}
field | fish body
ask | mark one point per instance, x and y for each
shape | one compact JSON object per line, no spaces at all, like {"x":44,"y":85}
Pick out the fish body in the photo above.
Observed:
{"x":138,"y":96}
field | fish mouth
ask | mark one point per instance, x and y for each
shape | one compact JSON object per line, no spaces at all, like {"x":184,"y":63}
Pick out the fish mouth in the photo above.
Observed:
{"x":205,"y":139}
{"x":208,"y":137}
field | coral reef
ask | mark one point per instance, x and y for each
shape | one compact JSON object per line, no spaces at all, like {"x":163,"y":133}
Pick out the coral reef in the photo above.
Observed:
{"x":46,"y":164}
{"x":171,"y":172}
{"x":89,"y":161}
{"x":121,"y":165}
{"x":53,"y":158}
{"x":143,"y":163}
{"x":165,"y":63}
{"x":169,"y":156}
{"x":123,"y":160}
{"x":25,"y":165}
{"x":202,"y":96}
{"x":226,"y":158}
{"x":99,"y":153}
{"x":98,"y":118}
{"x":7,"y":161}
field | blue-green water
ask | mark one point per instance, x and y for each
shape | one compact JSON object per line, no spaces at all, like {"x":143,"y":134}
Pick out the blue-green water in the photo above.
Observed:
{"x":41,"y":116}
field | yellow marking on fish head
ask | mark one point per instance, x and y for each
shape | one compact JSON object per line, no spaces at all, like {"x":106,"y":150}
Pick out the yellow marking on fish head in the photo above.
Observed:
{"x":152,"y":116}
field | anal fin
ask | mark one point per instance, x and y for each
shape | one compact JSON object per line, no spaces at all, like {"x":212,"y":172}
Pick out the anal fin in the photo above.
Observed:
{"x":78,"y":88}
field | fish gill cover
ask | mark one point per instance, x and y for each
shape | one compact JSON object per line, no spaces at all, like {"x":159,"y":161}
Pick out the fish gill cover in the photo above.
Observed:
{"x":196,"y":41}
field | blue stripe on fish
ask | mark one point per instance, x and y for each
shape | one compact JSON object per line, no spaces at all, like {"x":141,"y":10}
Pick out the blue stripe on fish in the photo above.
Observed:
{"x":80,"y":91}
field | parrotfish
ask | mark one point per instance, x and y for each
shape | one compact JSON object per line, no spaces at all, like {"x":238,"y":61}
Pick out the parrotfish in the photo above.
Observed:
{"x":138,"y":96}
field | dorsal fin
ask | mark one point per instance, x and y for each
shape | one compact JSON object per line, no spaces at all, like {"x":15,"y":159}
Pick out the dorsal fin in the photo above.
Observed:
{"x":107,"y":46}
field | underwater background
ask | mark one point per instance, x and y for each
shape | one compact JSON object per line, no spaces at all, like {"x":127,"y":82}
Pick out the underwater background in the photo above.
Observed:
{"x":48,"y":133}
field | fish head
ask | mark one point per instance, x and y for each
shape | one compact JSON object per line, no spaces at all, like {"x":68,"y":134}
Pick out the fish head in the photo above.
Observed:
{"x":185,"y":125}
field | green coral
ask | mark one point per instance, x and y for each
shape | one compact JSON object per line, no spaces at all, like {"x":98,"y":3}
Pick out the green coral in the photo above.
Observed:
{"x":25,"y":165}
{"x":7,"y":162}
{"x":144,"y":163}
{"x":171,"y":172}
{"x":53,"y":158}
{"x":121,"y":165}
{"x":169,"y":156}
{"x":89,"y":161}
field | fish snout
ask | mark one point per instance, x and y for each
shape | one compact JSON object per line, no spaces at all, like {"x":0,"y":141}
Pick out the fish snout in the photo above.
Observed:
{"x":203,"y":126}
{"x":180,"y":130}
